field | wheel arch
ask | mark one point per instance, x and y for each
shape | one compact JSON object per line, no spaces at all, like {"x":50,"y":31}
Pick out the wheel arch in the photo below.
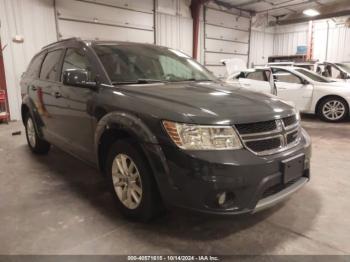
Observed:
{"x":326,"y":97}
{"x":119,"y":125}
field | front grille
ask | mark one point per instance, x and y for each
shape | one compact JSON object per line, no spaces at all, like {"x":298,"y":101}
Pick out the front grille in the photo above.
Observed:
{"x":291,"y":137}
{"x":263,"y":145}
{"x":288,"y":121}
{"x":278,"y":188}
{"x":271,"y":136}
{"x":258,"y":127}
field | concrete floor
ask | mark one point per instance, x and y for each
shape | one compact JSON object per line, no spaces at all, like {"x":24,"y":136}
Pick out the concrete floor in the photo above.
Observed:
{"x":56,"y":204}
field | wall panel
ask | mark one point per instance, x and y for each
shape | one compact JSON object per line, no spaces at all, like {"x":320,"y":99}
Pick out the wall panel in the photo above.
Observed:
{"x":174,"y":25}
{"x":118,"y":20}
{"x":35,"y":21}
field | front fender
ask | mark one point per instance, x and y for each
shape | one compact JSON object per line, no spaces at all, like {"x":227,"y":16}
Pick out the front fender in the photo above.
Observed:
{"x":146,"y":139}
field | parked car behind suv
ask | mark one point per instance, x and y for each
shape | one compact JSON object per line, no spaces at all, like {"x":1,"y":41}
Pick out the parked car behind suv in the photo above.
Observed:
{"x":162,"y":129}
{"x":310,"y":92}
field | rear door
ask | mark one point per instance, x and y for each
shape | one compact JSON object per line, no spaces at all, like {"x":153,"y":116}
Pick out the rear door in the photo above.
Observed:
{"x":256,"y":81}
{"x":48,"y":103}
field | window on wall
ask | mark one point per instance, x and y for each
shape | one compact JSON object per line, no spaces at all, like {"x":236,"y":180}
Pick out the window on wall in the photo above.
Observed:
{"x":51,"y":66}
{"x":77,"y":59}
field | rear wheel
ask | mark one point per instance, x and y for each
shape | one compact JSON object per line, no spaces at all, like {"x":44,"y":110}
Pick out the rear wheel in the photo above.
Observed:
{"x":35,"y":143}
{"x":132,"y":182}
{"x":333,"y":109}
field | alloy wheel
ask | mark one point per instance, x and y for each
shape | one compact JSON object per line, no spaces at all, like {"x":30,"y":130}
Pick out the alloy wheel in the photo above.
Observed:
{"x":31,"y":132}
{"x":333,"y":110}
{"x":127,"y":181}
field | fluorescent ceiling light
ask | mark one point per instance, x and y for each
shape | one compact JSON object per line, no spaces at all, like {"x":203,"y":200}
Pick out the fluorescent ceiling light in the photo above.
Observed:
{"x":311,"y":12}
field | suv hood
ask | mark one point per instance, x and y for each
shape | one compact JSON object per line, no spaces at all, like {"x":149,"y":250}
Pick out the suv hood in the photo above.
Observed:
{"x":210,"y":102}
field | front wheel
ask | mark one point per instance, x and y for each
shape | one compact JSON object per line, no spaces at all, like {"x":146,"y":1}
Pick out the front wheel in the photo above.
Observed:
{"x":35,"y":143}
{"x":132,"y":183}
{"x":333,"y":109}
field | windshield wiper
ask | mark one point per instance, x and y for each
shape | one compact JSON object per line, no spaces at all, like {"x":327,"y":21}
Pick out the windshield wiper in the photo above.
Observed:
{"x":138,"y":81}
{"x":192,"y":79}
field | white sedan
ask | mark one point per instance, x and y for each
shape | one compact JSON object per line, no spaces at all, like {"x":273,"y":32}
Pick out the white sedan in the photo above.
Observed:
{"x":310,"y":92}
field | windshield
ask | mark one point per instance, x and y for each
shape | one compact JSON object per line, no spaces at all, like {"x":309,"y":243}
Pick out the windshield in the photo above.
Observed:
{"x":344,"y":66}
{"x":313,"y":76}
{"x":127,"y":64}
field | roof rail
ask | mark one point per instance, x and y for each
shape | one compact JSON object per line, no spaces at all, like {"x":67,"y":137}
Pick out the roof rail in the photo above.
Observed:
{"x":60,"y":41}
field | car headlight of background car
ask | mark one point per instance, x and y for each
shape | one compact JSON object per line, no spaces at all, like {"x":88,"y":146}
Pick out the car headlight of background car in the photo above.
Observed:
{"x":202,"y":137}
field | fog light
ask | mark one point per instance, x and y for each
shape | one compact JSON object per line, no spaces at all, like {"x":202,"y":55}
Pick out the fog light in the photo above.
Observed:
{"x":222,"y":198}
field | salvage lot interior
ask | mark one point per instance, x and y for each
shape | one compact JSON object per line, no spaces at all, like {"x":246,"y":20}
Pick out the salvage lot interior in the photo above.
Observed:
{"x":57,"y":204}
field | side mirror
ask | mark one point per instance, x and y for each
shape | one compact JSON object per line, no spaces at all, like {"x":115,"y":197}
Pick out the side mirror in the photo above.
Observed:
{"x":77,"y":77}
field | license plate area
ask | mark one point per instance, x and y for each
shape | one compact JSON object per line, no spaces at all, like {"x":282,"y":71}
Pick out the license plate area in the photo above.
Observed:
{"x":293,"y":167}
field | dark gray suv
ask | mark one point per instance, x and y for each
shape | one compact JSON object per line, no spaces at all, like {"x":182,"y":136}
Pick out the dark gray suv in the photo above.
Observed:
{"x":163,"y":129}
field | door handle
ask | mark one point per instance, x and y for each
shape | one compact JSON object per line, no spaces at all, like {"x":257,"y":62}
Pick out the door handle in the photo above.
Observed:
{"x":57,"y":94}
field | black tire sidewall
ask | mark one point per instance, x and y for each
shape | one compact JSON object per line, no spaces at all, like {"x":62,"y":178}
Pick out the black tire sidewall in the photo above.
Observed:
{"x":323,"y":102}
{"x":149,"y":200}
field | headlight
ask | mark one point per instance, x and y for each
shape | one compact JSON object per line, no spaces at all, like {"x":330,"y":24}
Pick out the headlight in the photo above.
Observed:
{"x":198,"y":137}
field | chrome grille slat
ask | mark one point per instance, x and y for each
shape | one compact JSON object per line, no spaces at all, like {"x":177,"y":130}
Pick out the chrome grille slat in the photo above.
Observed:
{"x":286,"y":130}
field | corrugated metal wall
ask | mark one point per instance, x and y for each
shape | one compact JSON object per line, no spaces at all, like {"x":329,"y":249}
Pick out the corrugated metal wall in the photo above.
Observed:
{"x":331,"y":41}
{"x":261,"y":47}
{"x":174,"y":25}
{"x":35,"y":21}
{"x":287,"y":38}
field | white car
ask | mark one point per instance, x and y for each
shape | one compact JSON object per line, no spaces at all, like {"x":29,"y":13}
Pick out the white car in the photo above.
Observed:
{"x":310,"y":92}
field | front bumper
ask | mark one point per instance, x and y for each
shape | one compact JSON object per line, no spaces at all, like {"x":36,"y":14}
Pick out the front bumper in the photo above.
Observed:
{"x":194,"y":180}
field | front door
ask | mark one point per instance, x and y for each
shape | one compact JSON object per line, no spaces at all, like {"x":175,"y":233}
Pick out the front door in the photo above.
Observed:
{"x":77,"y":124}
{"x":291,"y":87}
{"x":257,"y":81}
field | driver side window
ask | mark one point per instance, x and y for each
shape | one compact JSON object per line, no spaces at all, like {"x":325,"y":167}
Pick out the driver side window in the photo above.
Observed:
{"x":76,"y":59}
{"x":285,"y":76}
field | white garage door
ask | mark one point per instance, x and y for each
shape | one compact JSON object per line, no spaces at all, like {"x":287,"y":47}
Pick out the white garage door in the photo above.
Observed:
{"x":226,"y":36}
{"x":121,"y":20}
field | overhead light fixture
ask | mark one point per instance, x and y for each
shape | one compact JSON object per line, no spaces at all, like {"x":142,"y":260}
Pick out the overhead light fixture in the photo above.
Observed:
{"x":311,"y":12}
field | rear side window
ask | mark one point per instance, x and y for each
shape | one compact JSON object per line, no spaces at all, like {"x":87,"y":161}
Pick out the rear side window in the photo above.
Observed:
{"x":34,"y":67}
{"x":51,"y":66}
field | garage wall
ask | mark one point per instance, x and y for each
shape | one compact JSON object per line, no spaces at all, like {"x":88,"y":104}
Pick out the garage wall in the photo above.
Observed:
{"x":174,"y":24}
{"x":288,"y":37}
{"x":226,"y":35}
{"x":122,"y":20}
{"x":34,"y":20}
{"x":261,"y":46}
{"x":331,"y":41}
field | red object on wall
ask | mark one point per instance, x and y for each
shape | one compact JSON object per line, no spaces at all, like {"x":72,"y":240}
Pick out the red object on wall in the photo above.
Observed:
{"x":4,"y":112}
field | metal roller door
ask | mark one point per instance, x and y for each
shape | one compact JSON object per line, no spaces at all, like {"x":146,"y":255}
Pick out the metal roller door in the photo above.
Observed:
{"x":122,"y":20}
{"x":226,"y":36}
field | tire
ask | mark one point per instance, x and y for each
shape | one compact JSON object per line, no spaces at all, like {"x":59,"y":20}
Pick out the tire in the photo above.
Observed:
{"x":333,"y":109}
{"x":35,"y":143}
{"x":136,"y":183}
